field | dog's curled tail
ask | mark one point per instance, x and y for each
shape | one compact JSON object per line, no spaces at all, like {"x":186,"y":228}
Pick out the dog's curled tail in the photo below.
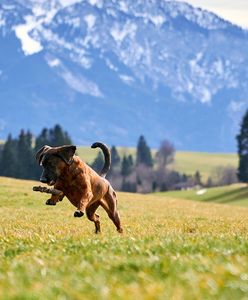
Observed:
{"x":107,"y":157}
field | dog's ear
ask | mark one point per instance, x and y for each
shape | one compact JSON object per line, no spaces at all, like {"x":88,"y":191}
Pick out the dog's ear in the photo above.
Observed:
{"x":66,"y":153}
{"x":40,"y":153}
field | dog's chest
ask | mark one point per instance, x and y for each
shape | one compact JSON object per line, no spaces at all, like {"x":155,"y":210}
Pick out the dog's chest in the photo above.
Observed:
{"x":73,"y":192}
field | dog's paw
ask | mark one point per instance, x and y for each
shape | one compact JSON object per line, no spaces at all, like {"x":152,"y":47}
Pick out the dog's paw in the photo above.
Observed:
{"x":78,"y":213}
{"x":50,"y":202}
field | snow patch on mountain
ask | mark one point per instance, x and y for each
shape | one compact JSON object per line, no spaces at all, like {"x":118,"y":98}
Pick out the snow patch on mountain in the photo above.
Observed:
{"x":90,"y":20}
{"x":80,"y":84}
{"x":53,"y":62}
{"x":196,"y":15}
{"x":97,"y":3}
{"x":65,"y":3}
{"x":77,"y":82}
{"x":41,"y":15}
{"x":29,"y":45}
{"x":126,"y":79}
{"x":110,"y":65}
{"x":2,"y":21}
{"x":119,"y":33}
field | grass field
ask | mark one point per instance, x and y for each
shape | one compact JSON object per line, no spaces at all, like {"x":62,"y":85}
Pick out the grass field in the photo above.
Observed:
{"x":236,"y":194}
{"x":171,"y":249}
{"x":185,"y":162}
{"x":88,"y":154}
{"x":206,"y":163}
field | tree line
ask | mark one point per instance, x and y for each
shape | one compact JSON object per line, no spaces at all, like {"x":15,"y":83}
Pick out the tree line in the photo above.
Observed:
{"x":17,"y":156}
{"x":149,"y":171}
{"x":142,"y":170}
{"x":135,"y":173}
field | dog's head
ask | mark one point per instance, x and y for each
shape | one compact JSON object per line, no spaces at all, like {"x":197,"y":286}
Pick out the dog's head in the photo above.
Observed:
{"x":54,"y":160}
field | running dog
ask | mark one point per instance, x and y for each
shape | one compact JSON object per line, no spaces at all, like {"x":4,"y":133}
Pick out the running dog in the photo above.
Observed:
{"x":84,"y":188}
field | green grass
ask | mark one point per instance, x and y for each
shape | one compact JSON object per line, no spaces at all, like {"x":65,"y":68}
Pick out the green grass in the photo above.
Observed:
{"x":170,"y":249}
{"x":236,"y":194}
{"x":185,"y":162}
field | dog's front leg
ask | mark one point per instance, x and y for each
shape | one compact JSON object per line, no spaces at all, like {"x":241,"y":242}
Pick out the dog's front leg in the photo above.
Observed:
{"x":82,"y":204}
{"x":54,"y":199}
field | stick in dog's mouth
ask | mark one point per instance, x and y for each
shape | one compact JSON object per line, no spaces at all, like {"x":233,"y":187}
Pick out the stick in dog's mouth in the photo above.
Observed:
{"x":44,"y":189}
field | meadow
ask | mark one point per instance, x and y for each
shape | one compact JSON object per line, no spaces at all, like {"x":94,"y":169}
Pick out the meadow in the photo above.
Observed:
{"x":170,"y":249}
{"x":235,"y":194}
{"x":185,"y":162}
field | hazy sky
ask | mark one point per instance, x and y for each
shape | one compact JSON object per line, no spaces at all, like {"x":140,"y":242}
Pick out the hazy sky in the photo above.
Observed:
{"x":234,"y":11}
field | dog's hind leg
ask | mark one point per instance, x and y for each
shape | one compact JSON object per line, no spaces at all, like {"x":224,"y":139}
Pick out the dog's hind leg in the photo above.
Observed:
{"x":92,"y":216}
{"x":109,"y":203}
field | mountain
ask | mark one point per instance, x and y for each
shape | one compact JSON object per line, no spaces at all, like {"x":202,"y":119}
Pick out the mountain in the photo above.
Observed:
{"x":112,"y":70}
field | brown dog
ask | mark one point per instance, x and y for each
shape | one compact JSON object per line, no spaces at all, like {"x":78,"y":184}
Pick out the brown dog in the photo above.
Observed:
{"x":79,"y":183}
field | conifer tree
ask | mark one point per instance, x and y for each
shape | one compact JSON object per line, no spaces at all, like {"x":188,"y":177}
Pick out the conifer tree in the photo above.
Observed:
{"x":59,"y":137}
{"x":197,"y":178}
{"x":242,"y":139}
{"x":52,"y":137}
{"x":126,"y":165}
{"x":25,"y":157}
{"x":144,"y":155}
{"x":42,"y":139}
{"x":115,"y":163}
{"x":18,"y":155}
{"x":98,"y":162}
{"x":115,"y":157}
{"x":8,"y":166}
{"x":130,"y":161}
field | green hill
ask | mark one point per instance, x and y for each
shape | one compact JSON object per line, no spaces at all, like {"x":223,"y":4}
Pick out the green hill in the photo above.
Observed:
{"x":206,"y":163}
{"x":185,"y":162}
{"x":170,"y":249}
{"x":236,"y":194}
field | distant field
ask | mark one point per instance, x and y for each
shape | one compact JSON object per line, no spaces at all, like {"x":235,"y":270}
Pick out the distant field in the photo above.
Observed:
{"x":185,"y":162}
{"x":236,"y":194}
{"x":170,"y":249}
{"x":88,"y":154}
{"x":189,"y":162}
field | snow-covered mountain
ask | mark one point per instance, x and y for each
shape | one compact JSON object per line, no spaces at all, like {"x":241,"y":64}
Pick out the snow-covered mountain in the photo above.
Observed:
{"x":112,"y":70}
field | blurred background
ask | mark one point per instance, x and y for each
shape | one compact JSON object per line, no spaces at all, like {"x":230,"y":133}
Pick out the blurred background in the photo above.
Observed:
{"x":169,"y":74}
